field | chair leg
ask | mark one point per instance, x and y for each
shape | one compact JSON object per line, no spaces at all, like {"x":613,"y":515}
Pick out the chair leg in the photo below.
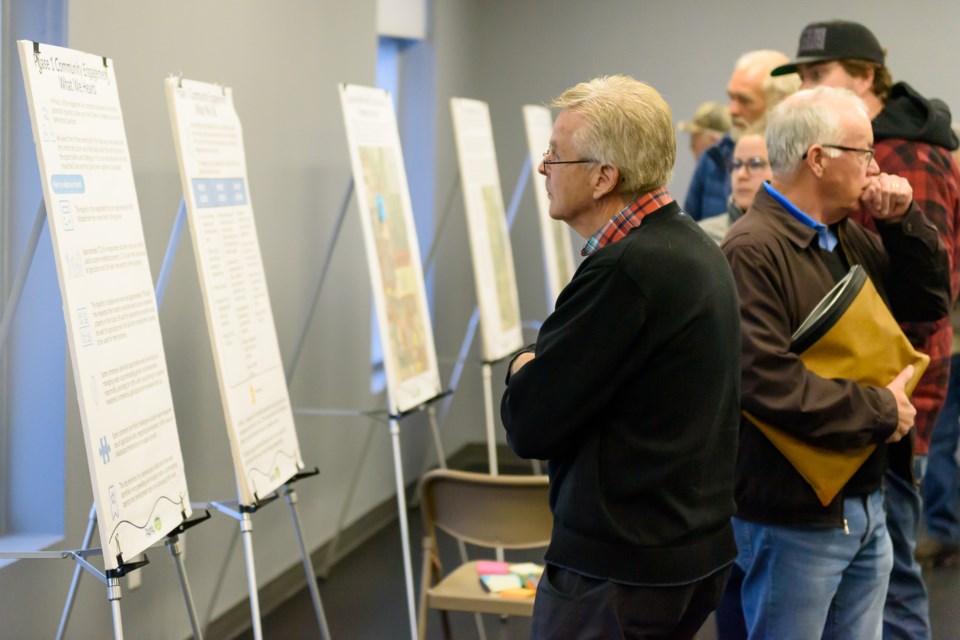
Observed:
{"x":481,"y":630}
{"x":428,"y":574}
{"x":445,"y":619}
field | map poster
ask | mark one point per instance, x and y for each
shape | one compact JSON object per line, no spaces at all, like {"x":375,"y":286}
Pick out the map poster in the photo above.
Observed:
{"x":557,"y":248}
{"x":493,"y":271}
{"x":109,"y":305}
{"x":393,"y":254}
{"x":253,"y":387}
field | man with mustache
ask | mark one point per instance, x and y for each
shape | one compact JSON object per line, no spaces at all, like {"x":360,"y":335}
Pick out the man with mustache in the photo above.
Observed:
{"x":752,"y":93}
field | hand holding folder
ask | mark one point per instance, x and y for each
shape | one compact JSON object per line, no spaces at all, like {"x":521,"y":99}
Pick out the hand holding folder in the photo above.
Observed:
{"x":850,"y":334}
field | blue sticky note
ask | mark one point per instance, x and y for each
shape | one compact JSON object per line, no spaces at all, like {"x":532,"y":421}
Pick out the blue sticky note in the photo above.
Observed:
{"x":381,"y":210}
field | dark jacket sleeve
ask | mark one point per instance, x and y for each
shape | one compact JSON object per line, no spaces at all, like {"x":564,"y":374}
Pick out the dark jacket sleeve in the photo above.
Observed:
{"x":557,"y":395}
{"x":693,"y":203}
{"x":918,"y":282}
{"x":776,"y":385}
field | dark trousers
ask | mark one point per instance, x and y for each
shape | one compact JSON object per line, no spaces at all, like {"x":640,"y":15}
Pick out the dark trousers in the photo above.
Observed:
{"x":570,"y":605}
{"x":730,"y":622}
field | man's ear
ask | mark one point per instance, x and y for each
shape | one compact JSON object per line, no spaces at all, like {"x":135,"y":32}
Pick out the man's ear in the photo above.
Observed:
{"x":814,"y":160}
{"x":605,"y":180}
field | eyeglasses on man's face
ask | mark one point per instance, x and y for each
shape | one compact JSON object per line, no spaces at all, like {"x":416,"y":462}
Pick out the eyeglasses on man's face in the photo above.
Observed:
{"x":547,"y":162}
{"x":868,"y":153}
{"x":755,"y":163}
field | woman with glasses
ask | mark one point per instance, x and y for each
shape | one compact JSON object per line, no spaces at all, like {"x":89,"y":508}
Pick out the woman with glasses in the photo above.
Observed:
{"x":748,"y":170}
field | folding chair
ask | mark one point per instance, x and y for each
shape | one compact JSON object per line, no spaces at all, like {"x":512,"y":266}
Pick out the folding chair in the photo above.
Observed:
{"x":510,"y":512}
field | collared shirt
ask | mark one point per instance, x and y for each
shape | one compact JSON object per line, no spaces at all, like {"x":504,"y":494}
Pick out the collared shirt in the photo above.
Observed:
{"x":629,"y":217}
{"x":826,"y":238}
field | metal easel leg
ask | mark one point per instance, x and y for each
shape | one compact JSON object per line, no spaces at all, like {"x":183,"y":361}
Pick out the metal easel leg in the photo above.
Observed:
{"x":327,"y":256}
{"x":220,"y":579}
{"x":347,"y":501}
{"x":435,"y":430}
{"x":404,"y":526}
{"x":290,"y":495}
{"x":488,"y":412}
{"x":246,"y":532}
{"x":113,"y":594}
{"x":176,"y":550}
{"x":491,"y":436}
{"x":77,"y":572}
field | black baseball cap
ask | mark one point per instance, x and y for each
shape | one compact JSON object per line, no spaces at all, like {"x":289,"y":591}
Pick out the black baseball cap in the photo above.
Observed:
{"x":834,"y":40}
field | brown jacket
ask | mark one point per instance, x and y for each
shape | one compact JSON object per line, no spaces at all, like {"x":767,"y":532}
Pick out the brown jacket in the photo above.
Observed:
{"x":781,"y":276}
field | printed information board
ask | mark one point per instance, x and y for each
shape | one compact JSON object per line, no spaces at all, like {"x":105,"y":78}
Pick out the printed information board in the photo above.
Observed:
{"x":393,"y":254}
{"x":557,"y":247}
{"x":253,"y":387}
{"x":109,"y":305}
{"x":493,"y":271}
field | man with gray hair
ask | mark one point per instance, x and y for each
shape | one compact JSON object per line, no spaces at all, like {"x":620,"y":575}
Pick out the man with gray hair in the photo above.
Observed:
{"x":752,"y":92}
{"x":811,"y":570}
{"x":914,"y":140}
{"x":631,"y":391}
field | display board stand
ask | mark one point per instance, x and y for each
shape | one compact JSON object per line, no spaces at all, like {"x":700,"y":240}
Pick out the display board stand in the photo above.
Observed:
{"x":233,"y":509}
{"x":243,"y":514}
{"x":327,"y":257}
{"x":173,"y":544}
{"x":487,"y":366}
{"x":402,"y":509}
{"x":394,"y":428}
{"x":111,"y":578}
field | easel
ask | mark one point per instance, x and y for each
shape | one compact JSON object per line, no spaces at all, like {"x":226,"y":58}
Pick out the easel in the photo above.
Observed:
{"x":242,"y":512}
{"x":110,"y":577}
{"x":487,"y":366}
{"x":394,"y":419}
{"x":173,"y":544}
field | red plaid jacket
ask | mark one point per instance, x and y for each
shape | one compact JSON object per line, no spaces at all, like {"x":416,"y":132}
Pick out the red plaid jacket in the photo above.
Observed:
{"x":936,"y":189}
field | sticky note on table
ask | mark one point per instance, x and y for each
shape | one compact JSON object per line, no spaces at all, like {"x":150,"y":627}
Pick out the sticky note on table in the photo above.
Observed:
{"x":492,"y":567}
{"x":497,"y":583}
{"x":526,"y":569}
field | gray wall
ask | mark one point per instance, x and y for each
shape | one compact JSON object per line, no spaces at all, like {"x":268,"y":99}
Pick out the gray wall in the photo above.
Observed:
{"x":534,"y":49}
{"x":284,"y":61}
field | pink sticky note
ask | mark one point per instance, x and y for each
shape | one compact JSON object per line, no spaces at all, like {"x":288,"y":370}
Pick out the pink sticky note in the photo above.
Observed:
{"x":492,"y":568}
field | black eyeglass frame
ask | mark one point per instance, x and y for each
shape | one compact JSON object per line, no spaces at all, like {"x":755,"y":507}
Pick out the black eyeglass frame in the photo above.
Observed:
{"x":758,"y":162}
{"x":547,"y":163}
{"x":870,"y":152}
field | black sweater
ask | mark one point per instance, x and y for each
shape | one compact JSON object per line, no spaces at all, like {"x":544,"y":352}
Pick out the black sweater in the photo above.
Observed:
{"x":634,"y":398}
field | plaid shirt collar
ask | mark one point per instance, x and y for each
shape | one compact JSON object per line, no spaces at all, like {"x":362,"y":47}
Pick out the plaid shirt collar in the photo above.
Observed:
{"x":631,"y":216}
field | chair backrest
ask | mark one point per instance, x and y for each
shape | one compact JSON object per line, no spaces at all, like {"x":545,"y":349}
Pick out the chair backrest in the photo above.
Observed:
{"x":506,"y":511}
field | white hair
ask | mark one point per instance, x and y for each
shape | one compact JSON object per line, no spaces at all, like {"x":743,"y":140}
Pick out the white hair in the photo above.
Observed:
{"x":806,"y":118}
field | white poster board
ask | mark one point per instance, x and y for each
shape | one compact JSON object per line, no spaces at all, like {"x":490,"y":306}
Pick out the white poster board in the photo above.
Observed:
{"x":557,"y":247}
{"x":109,"y":304}
{"x":253,"y":387}
{"x":393,"y":254}
{"x":493,"y":270}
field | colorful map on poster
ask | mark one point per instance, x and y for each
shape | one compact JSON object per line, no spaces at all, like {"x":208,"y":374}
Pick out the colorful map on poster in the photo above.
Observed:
{"x":393,"y":253}
{"x":493,"y":271}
